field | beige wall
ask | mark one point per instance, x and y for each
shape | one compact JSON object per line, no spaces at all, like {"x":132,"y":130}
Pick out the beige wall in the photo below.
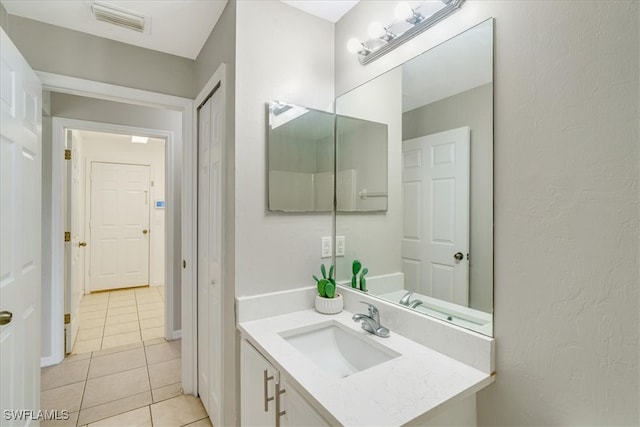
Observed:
{"x":72,"y":53}
{"x":470,"y":108}
{"x":566,"y":202}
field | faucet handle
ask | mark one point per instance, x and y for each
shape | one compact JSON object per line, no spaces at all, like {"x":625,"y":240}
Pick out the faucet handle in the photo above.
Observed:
{"x":373,"y":310}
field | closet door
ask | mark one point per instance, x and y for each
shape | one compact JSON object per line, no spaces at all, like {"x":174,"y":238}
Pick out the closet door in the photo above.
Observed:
{"x":209,"y":255}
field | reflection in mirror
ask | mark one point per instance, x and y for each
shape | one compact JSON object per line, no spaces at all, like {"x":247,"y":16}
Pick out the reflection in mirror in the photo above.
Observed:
{"x":361,"y":165}
{"x":301,"y":158}
{"x":432,"y":251}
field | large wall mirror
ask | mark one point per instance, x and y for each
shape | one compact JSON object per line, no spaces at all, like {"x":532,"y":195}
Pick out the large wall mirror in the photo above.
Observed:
{"x":432,"y":249}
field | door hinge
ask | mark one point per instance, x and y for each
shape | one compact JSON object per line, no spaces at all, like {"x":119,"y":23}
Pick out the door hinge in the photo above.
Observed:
{"x":67,"y":236}
{"x":67,"y":154}
{"x":67,"y":318}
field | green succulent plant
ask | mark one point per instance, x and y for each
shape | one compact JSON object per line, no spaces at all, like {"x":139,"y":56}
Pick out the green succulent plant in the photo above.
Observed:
{"x":363,"y":281}
{"x":326,"y":285}
{"x":355,"y":269}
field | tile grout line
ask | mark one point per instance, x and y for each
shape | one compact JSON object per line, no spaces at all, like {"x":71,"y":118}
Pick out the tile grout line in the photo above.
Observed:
{"x":84,"y":389}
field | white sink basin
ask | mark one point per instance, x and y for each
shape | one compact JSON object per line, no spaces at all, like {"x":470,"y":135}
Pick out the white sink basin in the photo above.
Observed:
{"x":336,"y":349}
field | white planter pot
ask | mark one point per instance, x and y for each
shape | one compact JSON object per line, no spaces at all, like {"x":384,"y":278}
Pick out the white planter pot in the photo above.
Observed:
{"x":329,"y":305}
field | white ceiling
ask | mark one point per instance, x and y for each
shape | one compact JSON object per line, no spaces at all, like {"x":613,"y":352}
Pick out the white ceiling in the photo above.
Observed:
{"x":178,"y":27}
{"x":330,"y":10}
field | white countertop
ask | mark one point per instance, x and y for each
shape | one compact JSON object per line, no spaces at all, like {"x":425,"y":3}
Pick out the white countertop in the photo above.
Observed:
{"x":392,"y":393}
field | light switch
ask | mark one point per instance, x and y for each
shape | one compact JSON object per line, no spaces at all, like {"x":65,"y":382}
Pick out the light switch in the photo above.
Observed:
{"x":326,"y":247}
{"x":340,"y":246}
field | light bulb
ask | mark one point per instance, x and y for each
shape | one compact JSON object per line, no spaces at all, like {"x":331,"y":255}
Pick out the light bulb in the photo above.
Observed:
{"x":403,"y":11}
{"x":354,"y":45}
{"x":377,"y":30}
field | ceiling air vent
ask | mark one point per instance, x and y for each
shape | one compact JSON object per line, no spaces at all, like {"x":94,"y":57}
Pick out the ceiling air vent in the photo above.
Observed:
{"x":113,"y":15}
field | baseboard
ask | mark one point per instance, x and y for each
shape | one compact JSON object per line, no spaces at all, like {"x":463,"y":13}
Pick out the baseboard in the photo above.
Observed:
{"x":176,"y":335}
{"x":49,"y":361}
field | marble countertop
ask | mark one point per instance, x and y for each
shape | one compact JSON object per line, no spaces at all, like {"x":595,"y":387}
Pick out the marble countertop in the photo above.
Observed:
{"x":395,"y":392}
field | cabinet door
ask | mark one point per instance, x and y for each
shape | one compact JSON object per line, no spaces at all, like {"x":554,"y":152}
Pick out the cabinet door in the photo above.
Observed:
{"x":257,"y":385}
{"x":299,"y":412}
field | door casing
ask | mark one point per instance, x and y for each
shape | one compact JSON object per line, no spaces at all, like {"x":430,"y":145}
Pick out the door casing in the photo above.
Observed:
{"x":87,"y":88}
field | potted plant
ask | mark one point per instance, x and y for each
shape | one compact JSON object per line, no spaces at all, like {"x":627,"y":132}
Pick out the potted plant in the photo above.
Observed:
{"x":328,"y":301}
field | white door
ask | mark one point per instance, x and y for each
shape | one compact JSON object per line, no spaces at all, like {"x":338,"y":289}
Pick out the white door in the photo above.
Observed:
{"x":75,"y":289}
{"x":20,"y":226}
{"x":435,"y":194}
{"x":119,"y":226}
{"x":209,"y":256}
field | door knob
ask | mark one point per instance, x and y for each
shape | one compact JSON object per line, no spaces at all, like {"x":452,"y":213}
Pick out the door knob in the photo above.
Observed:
{"x":458,"y":256}
{"x":82,"y":244}
{"x":5,"y":317}
{"x":145,"y":231}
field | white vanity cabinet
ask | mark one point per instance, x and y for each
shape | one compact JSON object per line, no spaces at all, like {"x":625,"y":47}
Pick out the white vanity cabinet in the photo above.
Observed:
{"x":266,"y":398}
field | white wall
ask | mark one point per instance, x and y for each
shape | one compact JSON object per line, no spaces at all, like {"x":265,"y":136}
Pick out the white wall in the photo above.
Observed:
{"x":284,"y":54}
{"x":102,"y":147}
{"x":566,"y":202}
{"x":383,"y":228}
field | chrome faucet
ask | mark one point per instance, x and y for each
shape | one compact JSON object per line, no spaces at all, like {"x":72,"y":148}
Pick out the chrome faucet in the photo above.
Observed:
{"x":415,"y":303}
{"x":406,"y":300}
{"x":371,"y":322}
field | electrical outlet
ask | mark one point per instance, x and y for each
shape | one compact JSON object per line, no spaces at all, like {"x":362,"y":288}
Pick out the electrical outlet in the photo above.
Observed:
{"x":326,"y":247}
{"x":340,"y":246}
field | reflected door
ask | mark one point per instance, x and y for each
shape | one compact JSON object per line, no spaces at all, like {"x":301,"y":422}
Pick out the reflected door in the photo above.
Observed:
{"x":119,"y":226}
{"x":435,"y":193}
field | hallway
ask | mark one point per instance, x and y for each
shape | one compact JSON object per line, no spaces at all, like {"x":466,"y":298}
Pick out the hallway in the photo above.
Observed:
{"x":131,"y":385}
{"x":116,"y":318}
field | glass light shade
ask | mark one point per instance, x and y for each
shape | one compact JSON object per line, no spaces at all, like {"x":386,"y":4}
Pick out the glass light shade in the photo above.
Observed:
{"x":377,"y":30}
{"x":403,"y":11}
{"x":354,"y":45}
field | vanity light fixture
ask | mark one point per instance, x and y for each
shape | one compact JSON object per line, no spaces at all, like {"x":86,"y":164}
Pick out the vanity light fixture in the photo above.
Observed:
{"x":410,"y":21}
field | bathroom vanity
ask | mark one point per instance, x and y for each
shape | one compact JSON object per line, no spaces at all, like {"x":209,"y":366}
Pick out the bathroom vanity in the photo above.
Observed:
{"x":306,"y":368}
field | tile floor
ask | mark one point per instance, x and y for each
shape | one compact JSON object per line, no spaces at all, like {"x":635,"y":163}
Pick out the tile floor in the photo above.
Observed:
{"x":112,"y":319}
{"x":133,"y":385}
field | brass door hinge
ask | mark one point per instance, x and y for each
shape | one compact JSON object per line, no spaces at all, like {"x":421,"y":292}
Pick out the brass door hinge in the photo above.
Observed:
{"x":67,"y":318}
{"x":67,"y":236}
{"x":67,"y":154}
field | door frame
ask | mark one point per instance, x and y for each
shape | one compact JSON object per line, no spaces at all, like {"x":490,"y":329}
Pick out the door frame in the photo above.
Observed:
{"x":60,"y":125}
{"x":227,"y":315}
{"x":88,"y":88}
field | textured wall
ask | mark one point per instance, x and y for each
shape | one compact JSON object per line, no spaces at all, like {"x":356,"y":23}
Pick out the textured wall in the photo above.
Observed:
{"x":566,"y":202}
{"x":284,"y":54}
